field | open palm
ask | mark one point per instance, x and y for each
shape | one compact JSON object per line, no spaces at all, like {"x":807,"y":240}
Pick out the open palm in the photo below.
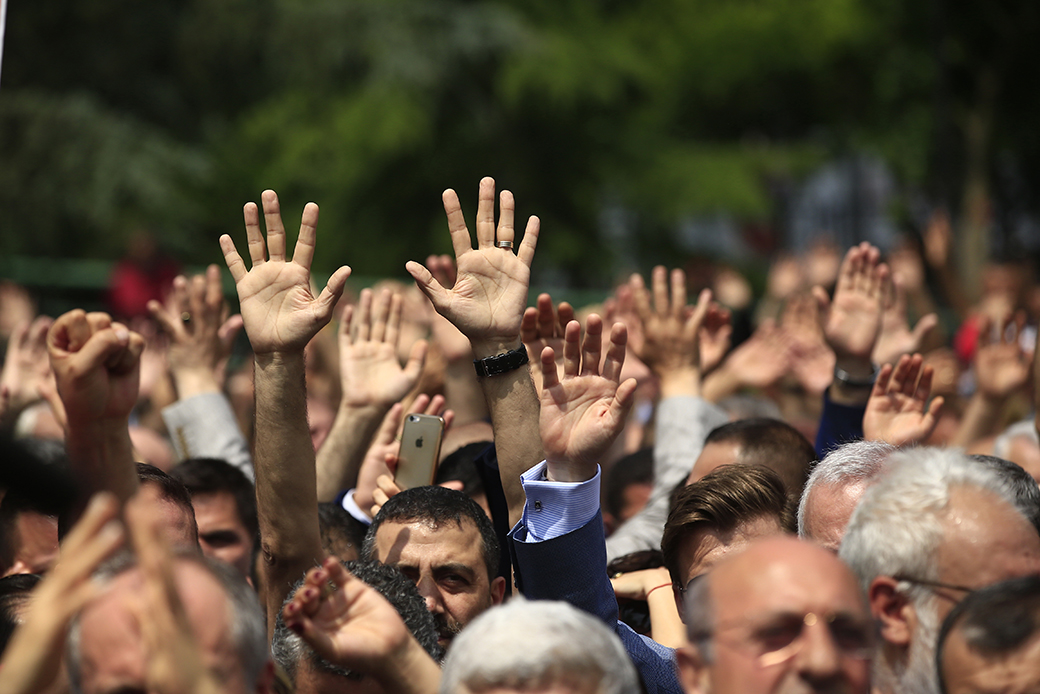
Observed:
{"x":585,"y":410}
{"x":278,"y":309}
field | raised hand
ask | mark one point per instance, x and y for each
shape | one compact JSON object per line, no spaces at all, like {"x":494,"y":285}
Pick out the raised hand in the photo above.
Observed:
{"x":195,"y":317}
{"x":348,"y":623}
{"x":853,"y":319}
{"x":759,"y":362}
{"x":543,"y":326}
{"x":370,"y":372}
{"x":671,"y":331}
{"x":453,"y":345}
{"x":278,"y":309}
{"x":716,"y":330}
{"x":812,"y":361}
{"x":96,"y":366}
{"x":27,"y":368}
{"x":488,"y":298}
{"x":898,"y":411}
{"x":1001,"y":365}
{"x":585,"y":410}
{"x":895,"y":337}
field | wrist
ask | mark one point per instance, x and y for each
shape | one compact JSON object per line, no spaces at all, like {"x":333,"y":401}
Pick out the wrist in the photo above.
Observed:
{"x":571,"y":473}
{"x":680,"y":381}
{"x":491,"y":347}
{"x":194,"y":381}
{"x":857,"y":369}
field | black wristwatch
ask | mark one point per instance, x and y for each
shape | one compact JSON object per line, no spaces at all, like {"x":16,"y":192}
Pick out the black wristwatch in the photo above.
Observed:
{"x":501,"y":363}
{"x":843,"y":376}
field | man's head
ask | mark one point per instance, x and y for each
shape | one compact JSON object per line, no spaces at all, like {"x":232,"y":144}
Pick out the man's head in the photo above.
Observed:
{"x":1023,"y":486}
{"x":543,"y":646}
{"x":835,"y":487}
{"x":990,"y":642}
{"x":312,"y":674}
{"x":174,"y":501}
{"x":15,"y":592}
{"x":627,"y":486}
{"x":783,"y":617}
{"x":341,"y":533}
{"x":722,"y":514}
{"x":443,"y":541}
{"x":107,"y":650}
{"x":762,"y":442}
{"x":935,"y":526}
{"x":225,"y":509}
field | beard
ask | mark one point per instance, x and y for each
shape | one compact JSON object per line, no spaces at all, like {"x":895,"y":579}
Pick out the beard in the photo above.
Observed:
{"x":447,"y":628}
{"x":919,"y":676}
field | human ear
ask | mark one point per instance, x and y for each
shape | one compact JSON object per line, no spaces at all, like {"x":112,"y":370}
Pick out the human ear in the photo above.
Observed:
{"x":892,"y":610}
{"x":693,"y":670}
{"x":498,"y":590}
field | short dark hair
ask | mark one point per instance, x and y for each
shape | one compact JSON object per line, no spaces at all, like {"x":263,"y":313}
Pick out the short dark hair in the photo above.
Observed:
{"x":462,"y":465}
{"x":772,"y":444}
{"x":1024,"y":487}
{"x":435,"y":506}
{"x":996,"y":620}
{"x":14,"y":595}
{"x":289,"y":649}
{"x":725,"y":498}
{"x":170,"y":489}
{"x":340,"y":531}
{"x":213,"y":476}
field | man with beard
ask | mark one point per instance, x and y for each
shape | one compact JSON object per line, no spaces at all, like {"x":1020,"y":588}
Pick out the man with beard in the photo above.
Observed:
{"x":444,"y":542}
{"x":934,"y":528}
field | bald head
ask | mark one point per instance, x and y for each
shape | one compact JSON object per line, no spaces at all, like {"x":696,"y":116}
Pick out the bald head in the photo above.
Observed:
{"x":782,"y":616}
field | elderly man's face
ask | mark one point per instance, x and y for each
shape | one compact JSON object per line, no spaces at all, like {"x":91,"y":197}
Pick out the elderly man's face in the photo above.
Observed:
{"x":113,"y":651}
{"x":789,"y":618}
{"x":966,"y":672}
{"x":828,"y":510}
{"x":446,"y":563}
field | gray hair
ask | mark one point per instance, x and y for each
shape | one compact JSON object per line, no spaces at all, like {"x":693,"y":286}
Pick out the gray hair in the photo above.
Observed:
{"x":524,"y":644}
{"x":248,"y":630}
{"x":851,"y":463}
{"x":897,"y":527}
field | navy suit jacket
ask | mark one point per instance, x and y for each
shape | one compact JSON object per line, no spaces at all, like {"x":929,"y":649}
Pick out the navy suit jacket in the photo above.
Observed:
{"x":573,"y":568}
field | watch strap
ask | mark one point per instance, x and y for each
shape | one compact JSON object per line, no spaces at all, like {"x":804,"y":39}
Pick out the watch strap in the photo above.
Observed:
{"x":501,"y":363}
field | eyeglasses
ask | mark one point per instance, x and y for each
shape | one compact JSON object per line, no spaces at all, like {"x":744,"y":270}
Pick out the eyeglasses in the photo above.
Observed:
{"x":934,"y":585}
{"x":777,"y":639}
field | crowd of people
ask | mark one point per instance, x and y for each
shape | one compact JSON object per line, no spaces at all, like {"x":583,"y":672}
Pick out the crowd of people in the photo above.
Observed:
{"x":807,"y":492}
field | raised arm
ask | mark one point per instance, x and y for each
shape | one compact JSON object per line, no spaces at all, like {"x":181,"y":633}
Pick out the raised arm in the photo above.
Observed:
{"x":372,"y":379}
{"x":201,"y":422}
{"x":898,"y":411}
{"x":486,"y":304}
{"x":281,"y":315}
{"x":96,"y":366}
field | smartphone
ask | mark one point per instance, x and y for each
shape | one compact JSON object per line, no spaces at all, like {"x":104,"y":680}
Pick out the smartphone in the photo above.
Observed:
{"x":420,"y":450}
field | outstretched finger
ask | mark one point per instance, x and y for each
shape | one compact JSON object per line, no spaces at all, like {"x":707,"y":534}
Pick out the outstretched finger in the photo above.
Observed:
{"x":232,"y":259}
{"x":529,"y":326}
{"x":592,"y":346}
{"x":254,"y":236}
{"x":924,"y":384}
{"x":486,"y":213}
{"x":506,"y":209}
{"x":550,"y":377}
{"x":275,"y":229}
{"x":546,"y":316}
{"x":616,"y":350}
{"x":571,"y":349}
{"x":678,"y":278}
{"x":659,"y":287}
{"x":325,"y":304}
{"x":899,"y":375}
{"x":640,"y":297}
{"x":881,"y":383}
{"x":427,"y":284}
{"x":460,"y":240}
{"x":214,"y":292}
{"x":913,"y":372}
{"x":303,"y":254}
{"x":381,"y":305}
{"x":530,"y":241}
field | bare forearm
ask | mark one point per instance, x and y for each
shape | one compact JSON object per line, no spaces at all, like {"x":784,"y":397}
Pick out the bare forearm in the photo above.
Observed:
{"x":286,"y":487}
{"x":102,"y":457}
{"x":513,"y":405}
{"x":979,"y":421}
{"x":410,"y":672}
{"x":340,"y":456}
{"x":463,"y":394}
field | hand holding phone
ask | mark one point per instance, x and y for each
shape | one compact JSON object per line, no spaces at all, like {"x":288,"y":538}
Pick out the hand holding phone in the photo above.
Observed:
{"x":420,"y":450}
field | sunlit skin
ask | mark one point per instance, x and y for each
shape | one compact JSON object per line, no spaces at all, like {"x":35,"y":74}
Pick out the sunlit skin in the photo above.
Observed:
{"x":447,"y":566}
{"x":222,"y":535}
{"x":35,"y":538}
{"x":965,"y":671}
{"x":828,"y":510}
{"x":773,"y":581}
{"x":714,"y":455}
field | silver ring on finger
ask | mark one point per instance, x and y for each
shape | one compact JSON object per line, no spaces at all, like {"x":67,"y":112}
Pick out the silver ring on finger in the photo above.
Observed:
{"x":508,"y":245}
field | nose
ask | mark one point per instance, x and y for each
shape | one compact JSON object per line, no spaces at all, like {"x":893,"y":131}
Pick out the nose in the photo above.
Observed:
{"x":819,"y":658}
{"x":428,"y":589}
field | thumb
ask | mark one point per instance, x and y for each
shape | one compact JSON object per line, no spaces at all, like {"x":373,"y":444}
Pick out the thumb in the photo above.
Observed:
{"x":428,"y":284}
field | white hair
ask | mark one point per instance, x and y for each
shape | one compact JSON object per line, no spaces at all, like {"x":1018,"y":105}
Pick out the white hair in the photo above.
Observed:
{"x":897,"y":527}
{"x":852,"y":463}
{"x":530,"y":645}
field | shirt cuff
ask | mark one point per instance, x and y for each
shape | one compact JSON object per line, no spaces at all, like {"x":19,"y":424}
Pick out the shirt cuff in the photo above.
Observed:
{"x":351,"y":507}
{"x":557,"y":508}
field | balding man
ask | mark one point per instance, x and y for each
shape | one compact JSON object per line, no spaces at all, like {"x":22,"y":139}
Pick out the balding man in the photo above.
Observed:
{"x":782,"y":616}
